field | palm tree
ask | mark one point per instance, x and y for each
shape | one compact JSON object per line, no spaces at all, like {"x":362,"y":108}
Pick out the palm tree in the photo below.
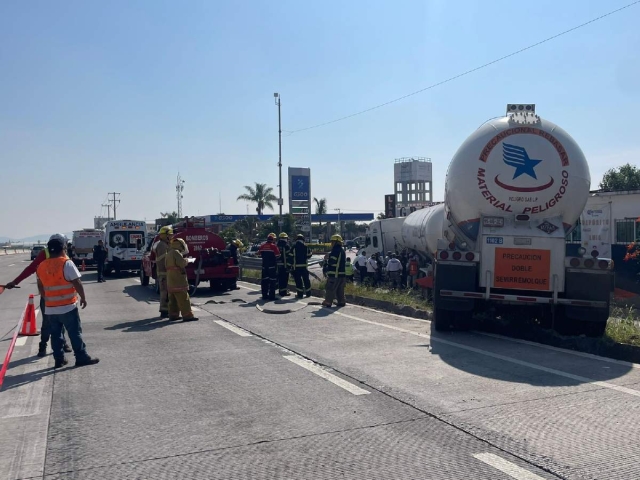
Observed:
{"x":261,"y":195}
{"x":321,"y":208}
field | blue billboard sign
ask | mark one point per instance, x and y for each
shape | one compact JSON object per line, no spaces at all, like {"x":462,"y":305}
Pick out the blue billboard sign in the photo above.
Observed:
{"x":300,"y":187}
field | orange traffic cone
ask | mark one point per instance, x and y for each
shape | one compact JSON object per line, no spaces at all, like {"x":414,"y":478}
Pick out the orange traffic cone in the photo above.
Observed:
{"x":29,"y":322}
{"x":83,"y":266}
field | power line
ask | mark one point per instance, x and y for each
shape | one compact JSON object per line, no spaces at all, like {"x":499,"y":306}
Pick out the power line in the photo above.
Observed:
{"x":455,"y":77}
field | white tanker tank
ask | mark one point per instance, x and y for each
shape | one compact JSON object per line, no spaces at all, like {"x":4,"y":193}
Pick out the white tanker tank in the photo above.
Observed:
{"x":422,"y":229}
{"x":514,"y":189}
{"x":520,"y":164}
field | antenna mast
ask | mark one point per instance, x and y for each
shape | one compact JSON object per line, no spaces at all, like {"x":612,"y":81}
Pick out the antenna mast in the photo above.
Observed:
{"x":179,"y":196}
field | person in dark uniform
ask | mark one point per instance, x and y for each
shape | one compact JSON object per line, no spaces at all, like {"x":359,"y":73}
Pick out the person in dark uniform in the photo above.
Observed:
{"x":233,"y":251}
{"x":299,"y":261}
{"x":283,"y":264}
{"x":99,"y":256}
{"x":336,"y":273}
{"x":269,"y":252}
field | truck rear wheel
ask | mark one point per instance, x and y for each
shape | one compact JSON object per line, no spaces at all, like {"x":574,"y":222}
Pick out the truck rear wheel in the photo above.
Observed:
{"x":443,"y":319}
{"x":594,"y":329}
{"x":562,"y":324}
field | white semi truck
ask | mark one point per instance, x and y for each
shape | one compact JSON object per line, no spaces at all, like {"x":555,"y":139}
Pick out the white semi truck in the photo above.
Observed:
{"x":514,"y":190}
{"x":383,"y":236}
{"x":125,"y":241}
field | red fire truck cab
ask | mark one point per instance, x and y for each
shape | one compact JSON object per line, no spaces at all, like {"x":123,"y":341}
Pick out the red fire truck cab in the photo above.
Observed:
{"x":210,"y":260}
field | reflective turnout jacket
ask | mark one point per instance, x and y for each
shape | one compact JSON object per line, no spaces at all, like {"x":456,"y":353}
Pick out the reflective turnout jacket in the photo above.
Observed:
{"x":285,"y":257}
{"x":161,"y":249}
{"x":336,"y":263}
{"x":300,"y":255}
{"x":175,"y":265}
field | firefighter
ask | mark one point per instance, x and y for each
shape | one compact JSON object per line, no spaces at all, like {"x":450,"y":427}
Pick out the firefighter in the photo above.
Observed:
{"x":283,"y":264}
{"x":160,"y":250}
{"x":269,"y":252}
{"x":177,"y":282}
{"x":299,"y":258}
{"x":336,"y":273}
{"x":233,"y":250}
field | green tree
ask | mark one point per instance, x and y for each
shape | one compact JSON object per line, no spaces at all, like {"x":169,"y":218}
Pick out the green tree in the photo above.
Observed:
{"x":321,"y":208}
{"x":247,"y":229}
{"x":271,"y":226}
{"x":261,"y":195}
{"x":626,"y":177}
{"x":172,"y":217}
{"x":381,"y":216}
{"x":229,"y":234}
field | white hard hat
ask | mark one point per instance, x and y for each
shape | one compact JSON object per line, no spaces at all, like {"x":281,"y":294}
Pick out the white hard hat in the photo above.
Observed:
{"x":59,"y":236}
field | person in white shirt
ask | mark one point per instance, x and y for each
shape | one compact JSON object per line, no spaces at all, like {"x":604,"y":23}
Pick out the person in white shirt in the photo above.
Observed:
{"x":361,"y":264}
{"x":394,"y":269}
{"x":372,"y":268}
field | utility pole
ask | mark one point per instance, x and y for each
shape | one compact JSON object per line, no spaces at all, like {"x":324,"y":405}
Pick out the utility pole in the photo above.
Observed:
{"x":179,"y":196}
{"x":108,"y":205}
{"x":280,"y":201}
{"x":339,"y":223}
{"x":114,"y":201}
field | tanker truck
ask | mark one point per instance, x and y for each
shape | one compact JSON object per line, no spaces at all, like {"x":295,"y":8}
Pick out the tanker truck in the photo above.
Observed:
{"x":514,"y":190}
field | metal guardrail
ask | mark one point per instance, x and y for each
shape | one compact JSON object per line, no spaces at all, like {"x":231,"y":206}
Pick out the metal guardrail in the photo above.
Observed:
{"x":255,"y":263}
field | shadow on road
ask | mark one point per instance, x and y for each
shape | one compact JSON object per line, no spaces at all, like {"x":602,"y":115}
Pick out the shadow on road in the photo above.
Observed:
{"x":15,"y":381}
{"x":140,"y":293}
{"x":528,"y":364}
{"x":144,"y":325}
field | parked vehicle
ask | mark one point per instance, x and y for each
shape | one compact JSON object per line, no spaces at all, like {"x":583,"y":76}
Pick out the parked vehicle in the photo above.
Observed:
{"x":124,"y":241}
{"x":83,"y":242}
{"x":210,"y":260}
{"x":35,"y":250}
{"x":514,"y":190}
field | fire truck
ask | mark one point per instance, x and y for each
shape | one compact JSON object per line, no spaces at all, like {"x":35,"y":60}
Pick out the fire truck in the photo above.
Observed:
{"x":209,"y":260}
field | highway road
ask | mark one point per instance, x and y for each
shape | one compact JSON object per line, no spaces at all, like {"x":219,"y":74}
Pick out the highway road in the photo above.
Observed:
{"x":310,"y":394}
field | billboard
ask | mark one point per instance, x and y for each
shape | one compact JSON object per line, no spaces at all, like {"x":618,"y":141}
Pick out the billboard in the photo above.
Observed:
{"x":299,"y":187}
{"x":390,"y":206}
{"x":300,"y":198}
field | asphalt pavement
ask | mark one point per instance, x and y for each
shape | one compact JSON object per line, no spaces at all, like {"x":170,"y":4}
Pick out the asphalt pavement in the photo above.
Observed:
{"x":310,"y":394}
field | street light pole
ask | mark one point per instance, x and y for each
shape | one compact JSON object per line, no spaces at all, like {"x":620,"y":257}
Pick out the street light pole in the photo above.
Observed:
{"x":276,"y":96}
{"x":339,"y":223}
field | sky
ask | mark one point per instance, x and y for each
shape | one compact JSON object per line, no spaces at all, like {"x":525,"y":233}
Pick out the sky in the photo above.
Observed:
{"x":120,"y":96}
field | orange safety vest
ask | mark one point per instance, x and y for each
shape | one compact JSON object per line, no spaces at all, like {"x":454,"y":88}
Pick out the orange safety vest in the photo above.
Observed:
{"x":58,"y":291}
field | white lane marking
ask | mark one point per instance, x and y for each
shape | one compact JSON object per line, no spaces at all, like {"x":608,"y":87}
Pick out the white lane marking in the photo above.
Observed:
{"x":13,"y":264}
{"x":233,"y":328}
{"x":249,"y":288}
{"x":195,"y":309}
{"x":504,"y":466}
{"x":313,"y":368}
{"x":497,"y":356}
{"x":502,"y":357}
{"x":561,"y":350}
{"x":21,"y":341}
{"x":37,"y":311}
{"x":137,"y":280}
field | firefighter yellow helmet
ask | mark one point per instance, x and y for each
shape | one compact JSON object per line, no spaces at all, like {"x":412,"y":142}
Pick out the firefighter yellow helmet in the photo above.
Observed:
{"x":166,"y":231}
{"x":179,"y":244}
{"x":336,"y":238}
{"x":283,"y":235}
{"x":271,"y":236}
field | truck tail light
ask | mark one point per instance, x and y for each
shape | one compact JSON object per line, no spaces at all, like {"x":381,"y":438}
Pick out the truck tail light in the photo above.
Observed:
{"x":457,"y":255}
{"x":444,"y":255}
{"x":452,"y":246}
{"x":603,"y":264}
{"x":470,"y":256}
{"x":574,"y":262}
{"x":589,"y":263}
{"x":595,"y":254}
